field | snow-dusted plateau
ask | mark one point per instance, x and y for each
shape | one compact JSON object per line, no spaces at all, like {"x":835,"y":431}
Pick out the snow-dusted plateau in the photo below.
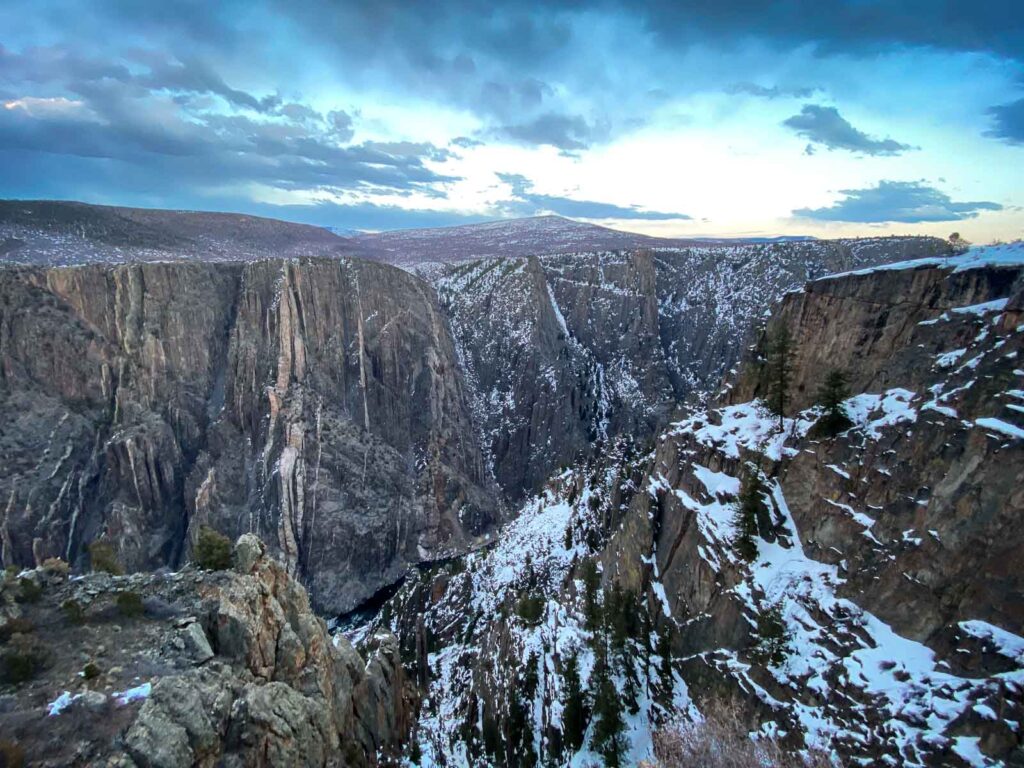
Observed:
{"x":523,"y":493}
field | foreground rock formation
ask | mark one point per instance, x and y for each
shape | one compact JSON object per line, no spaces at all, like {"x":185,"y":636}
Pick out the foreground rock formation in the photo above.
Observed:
{"x":227,"y":668}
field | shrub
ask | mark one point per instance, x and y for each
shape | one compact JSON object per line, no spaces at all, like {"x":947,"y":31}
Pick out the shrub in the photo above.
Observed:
{"x":15,"y":626}
{"x":129,"y":604}
{"x":21,"y":661}
{"x":73,"y":612}
{"x":103,"y":558}
{"x":957,"y":245}
{"x":55,"y":566}
{"x":29,"y":591}
{"x":530,"y":608}
{"x":90,"y":671}
{"x":212,"y":550}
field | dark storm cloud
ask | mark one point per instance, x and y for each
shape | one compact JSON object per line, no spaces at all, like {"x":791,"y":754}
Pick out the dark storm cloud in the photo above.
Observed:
{"x":523,"y":31}
{"x":148,"y":107}
{"x":218,"y":149}
{"x":568,"y":132}
{"x":896,"y":201}
{"x":847,"y":26}
{"x":191,"y":94}
{"x":825,"y":126}
{"x":526,"y":202}
{"x":774,"y":92}
{"x":1008,"y":122}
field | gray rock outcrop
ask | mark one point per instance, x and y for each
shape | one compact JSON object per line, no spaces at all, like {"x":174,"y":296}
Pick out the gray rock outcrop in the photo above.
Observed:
{"x":269,"y":686}
{"x":317,"y":403}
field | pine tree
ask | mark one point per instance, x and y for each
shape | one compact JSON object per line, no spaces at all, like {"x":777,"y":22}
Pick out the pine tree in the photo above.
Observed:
{"x":664,"y":652}
{"x":780,"y":371}
{"x":608,"y":722}
{"x":574,"y":707}
{"x":621,"y":612}
{"x":748,"y":506}
{"x":491,"y":735}
{"x":530,"y":676}
{"x":773,"y":642}
{"x":518,"y":729}
{"x":832,"y":395}
{"x":591,"y":582}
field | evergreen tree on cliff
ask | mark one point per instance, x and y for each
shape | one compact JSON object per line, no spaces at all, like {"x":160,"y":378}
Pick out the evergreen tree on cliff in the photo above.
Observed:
{"x":608,"y":722}
{"x":780,"y":371}
{"x":748,"y":507}
{"x":574,"y":707}
{"x":832,"y":395}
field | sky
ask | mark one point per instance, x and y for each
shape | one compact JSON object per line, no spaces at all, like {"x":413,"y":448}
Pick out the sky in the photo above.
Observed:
{"x":674,"y":118}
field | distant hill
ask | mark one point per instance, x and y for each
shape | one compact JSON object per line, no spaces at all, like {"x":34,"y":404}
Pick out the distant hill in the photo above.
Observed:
{"x":537,"y":235}
{"x":60,"y":232}
{"x":45,"y":232}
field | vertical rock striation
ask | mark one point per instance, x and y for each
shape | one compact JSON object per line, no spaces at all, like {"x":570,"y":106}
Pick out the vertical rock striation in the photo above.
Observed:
{"x":317,"y":403}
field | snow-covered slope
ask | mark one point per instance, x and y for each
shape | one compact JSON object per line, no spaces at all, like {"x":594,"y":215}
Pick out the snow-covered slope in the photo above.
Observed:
{"x":880,"y":618}
{"x":561,"y":351}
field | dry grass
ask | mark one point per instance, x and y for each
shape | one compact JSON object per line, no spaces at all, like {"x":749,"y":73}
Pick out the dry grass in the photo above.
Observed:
{"x":721,"y":740}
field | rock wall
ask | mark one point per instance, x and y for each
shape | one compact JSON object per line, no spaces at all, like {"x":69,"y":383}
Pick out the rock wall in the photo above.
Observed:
{"x":317,"y":403}
{"x":226,"y":668}
{"x":564,"y":352}
{"x":885,"y":549}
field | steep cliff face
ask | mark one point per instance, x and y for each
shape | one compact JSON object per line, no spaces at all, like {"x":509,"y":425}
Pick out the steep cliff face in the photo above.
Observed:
{"x":561,"y":355}
{"x":878,"y":614}
{"x":563,"y":351}
{"x":317,"y":403}
{"x":885,"y":550}
{"x":226,"y":668}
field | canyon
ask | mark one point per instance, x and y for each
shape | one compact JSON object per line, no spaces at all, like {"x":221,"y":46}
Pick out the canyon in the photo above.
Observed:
{"x":463,"y":438}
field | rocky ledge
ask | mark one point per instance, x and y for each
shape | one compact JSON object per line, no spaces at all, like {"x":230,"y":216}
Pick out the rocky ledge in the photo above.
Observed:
{"x":204,"y":668}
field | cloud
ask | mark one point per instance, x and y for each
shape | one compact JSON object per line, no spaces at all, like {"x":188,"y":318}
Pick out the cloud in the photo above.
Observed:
{"x":160,"y":115}
{"x":566,"y":132}
{"x":192,"y":75}
{"x":215,"y":149}
{"x":774,"y":92}
{"x":824,"y":125}
{"x":216,"y":98}
{"x":908,"y":202}
{"x":526,"y":202}
{"x":845,"y":26}
{"x":1008,"y":122}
